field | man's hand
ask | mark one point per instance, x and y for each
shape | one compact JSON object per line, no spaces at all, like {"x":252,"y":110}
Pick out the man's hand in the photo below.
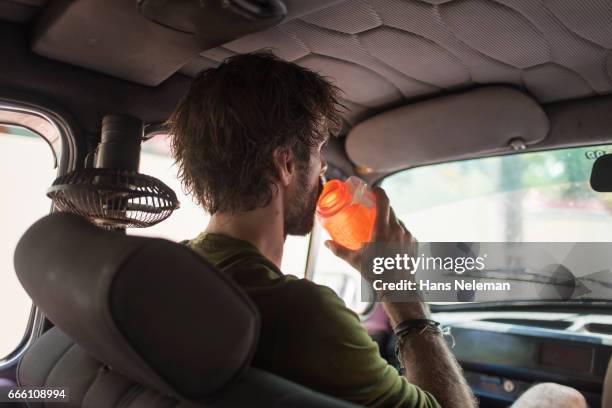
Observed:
{"x":387,"y":229}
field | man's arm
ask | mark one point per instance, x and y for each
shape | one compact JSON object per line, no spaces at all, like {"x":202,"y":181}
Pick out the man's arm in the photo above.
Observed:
{"x":425,"y":356}
{"x":331,"y":352}
{"x":438,"y":372}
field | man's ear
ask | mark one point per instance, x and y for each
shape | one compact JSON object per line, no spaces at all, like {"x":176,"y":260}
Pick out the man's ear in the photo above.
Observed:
{"x":285,"y":165}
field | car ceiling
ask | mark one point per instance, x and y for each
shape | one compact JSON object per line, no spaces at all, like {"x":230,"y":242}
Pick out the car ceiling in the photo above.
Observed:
{"x":388,"y":53}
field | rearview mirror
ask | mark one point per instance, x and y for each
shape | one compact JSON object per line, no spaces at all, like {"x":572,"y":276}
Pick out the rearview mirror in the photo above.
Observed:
{"x":601,"y":174}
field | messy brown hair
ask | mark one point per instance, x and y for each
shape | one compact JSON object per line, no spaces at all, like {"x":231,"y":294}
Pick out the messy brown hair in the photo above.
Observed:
{"x":225,"y":130}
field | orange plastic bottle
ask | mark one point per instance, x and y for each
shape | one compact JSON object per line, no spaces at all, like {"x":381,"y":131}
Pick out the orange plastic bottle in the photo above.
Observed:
{"x":347,"y":211}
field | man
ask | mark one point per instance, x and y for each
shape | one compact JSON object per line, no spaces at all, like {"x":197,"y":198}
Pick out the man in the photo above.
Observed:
{"x":247,"y":138}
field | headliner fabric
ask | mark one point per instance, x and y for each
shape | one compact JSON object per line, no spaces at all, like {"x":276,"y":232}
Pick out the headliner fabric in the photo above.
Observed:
{"x":383,"y":53}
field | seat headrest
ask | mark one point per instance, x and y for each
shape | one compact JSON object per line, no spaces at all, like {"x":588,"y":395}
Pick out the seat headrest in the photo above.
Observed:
{"x":151,"y":309}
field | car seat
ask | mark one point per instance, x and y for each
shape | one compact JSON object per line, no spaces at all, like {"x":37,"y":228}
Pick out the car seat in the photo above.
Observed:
{"x":141,"y":322}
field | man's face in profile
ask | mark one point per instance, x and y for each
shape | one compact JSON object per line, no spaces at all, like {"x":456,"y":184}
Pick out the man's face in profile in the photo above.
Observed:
{"x":303,"y":195}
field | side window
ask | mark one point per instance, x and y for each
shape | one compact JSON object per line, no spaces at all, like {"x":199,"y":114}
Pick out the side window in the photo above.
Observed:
{"x":331,"y":271}
{"x":190,"y":220}
{"x":27,"y":169}
{"x":295,"y":255}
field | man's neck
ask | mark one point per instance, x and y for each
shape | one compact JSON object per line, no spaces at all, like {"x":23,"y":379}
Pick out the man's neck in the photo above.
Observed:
{"x":262,"y":227}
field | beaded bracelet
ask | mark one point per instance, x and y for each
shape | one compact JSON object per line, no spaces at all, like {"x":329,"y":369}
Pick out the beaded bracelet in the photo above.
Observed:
{"x":418,"y":326}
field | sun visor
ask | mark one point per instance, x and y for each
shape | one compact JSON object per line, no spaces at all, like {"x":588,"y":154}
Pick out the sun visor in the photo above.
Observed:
{"x":482,"y":121}
{"x":146,"y":41}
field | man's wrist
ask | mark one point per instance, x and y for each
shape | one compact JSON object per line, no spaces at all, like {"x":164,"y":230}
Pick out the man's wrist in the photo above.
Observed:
{"x":400,"y":311}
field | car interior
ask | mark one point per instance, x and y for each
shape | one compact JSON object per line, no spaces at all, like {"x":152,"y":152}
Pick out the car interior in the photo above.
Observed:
{"x":482,"y":119}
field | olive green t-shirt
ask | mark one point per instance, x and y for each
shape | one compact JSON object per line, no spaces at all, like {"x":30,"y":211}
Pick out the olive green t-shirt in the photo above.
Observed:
{"x":308,"y":335}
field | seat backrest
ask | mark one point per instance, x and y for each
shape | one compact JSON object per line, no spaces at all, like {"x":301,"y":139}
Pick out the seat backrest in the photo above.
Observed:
{"x":56,"y":361}
{"x":141,"y":322}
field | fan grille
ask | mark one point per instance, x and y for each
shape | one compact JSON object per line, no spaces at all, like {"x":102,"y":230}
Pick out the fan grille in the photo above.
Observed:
{"x":117,"y":198}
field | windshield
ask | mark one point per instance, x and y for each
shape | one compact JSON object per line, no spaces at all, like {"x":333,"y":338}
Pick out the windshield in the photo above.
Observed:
{"x":529,"y":197}
{"x":526,"y":197}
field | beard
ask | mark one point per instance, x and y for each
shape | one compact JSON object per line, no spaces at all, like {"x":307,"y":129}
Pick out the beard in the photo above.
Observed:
{"x":300,"y":213}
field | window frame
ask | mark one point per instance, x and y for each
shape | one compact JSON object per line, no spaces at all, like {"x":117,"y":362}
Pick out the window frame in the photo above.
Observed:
{"x":45,"y":119}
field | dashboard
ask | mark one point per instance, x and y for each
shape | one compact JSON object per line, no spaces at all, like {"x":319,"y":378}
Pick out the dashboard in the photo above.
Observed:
{"x":505,"y":353}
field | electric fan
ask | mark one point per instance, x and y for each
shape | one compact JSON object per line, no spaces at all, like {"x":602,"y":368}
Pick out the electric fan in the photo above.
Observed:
{"x":113,"y":194}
